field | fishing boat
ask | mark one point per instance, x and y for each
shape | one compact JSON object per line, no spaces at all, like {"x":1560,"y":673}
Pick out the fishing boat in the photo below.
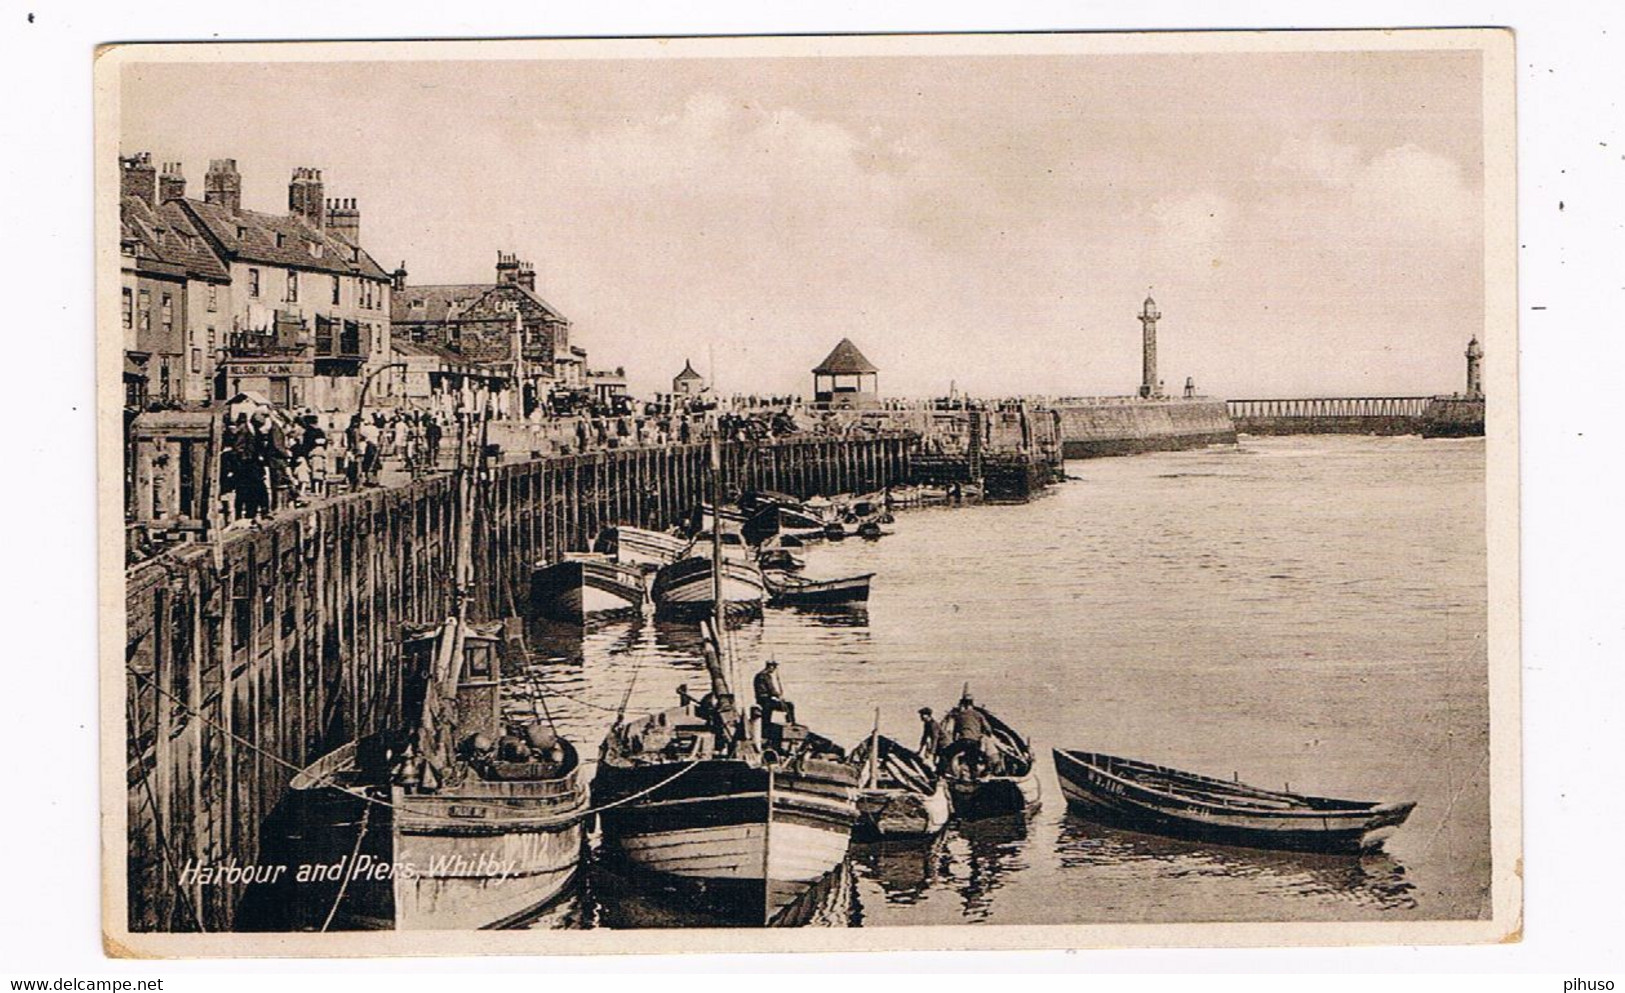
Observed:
{"x":787,"y":589}
{"x":744,"y":815}
{"x":875,"y":529}
{"x":779,"y":560}
{"x":586,"y":585}
{"x":460,"y":819}
{"x":899,"y":794}
{"x":768,"y":514}
{"x":1002,"y":783}
{"x":730,"y":517}
{"x":1157,"y":800}
{"x":640,"y":546}
{"x":688,"y":588}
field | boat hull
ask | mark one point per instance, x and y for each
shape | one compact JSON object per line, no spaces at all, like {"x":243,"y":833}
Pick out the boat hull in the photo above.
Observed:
{"x":1096,"y":789}
{"x":469,"y":876}
{"x":487,"y":855}
{"x":576,"y":590}
{"x":898,"y":814}
{"x":640,"y":547}
{"x":797,"y":592}
{"x":684,"y":589}
{"x":996,"y":796}
{"x":724,"y":835}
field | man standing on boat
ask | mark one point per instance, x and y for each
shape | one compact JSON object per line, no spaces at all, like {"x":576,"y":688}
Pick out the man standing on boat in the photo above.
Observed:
{"x":970,"y":725}
{"x":770,"y":694}
{"x":933,"y":736}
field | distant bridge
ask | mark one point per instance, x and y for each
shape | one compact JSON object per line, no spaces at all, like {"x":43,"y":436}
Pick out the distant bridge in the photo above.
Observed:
{"x":1330,"y":415}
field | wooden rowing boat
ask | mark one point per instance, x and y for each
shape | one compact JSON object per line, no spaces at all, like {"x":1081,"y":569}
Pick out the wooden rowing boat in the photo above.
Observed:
{"x":685,"y":588}
{"x":640,"y":546}
{"x":790,"y":590}
{"x":1159,"y":800}
{"x":1010,"y":787}
{"x":899,"y":794}
{"x":586,"y":585}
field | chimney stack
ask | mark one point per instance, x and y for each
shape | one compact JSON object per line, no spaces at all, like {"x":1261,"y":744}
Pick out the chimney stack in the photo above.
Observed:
{"x":222,"y":185}
{"x":137,"y":177}
{"x":344,"y":219}
{"x":512,"y":269}
{"x":398,"y":277}
{"x":171,"y":183}
{"x":305,"y":196}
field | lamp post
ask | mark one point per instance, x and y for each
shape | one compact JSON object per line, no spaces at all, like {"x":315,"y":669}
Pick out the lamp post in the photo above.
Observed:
{"x":361,"y":404}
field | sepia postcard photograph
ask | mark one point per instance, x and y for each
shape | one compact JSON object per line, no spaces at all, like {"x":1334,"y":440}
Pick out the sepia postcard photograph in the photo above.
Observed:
{"x":858,"y":492}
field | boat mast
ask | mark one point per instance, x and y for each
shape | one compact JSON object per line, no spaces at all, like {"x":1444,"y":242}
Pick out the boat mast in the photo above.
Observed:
{"x":874,"y":752}
{"x":713,"y":644}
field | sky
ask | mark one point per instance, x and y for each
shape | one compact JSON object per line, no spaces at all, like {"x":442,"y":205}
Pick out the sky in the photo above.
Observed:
{"x":1310,"y":224}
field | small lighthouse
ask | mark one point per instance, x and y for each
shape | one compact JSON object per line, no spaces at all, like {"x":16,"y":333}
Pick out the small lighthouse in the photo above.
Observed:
{"x":1148,"y":373}
{"x":1475,"y":369}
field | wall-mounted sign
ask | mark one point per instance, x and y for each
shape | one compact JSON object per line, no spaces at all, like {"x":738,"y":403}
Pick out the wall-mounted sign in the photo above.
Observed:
{"x":238,"y":368}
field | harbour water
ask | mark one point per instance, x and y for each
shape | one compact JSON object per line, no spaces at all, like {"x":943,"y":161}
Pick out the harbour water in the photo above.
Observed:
{"x":1301,"y":610}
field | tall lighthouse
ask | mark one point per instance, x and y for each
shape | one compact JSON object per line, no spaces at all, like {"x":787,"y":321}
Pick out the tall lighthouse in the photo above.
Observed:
{"x":1148,"y":377}
{"x":1475,"y":368}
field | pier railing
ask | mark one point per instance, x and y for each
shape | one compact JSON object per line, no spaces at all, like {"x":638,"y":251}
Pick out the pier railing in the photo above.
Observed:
{"x":1409,"y":406}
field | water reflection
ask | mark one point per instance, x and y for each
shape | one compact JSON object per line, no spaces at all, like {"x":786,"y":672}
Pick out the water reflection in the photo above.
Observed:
{"x":619,"y":897}
{"x":905,"y":870}
{"x":835,"y":615}
{"x":1372,"y":880}
{"x":990,"y":850}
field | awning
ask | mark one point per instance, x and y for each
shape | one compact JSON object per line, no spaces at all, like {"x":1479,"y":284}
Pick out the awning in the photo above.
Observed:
{"x":134,"y":369}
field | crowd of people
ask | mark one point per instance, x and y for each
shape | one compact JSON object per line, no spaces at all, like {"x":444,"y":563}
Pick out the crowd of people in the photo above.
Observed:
{"x":271,"y":459}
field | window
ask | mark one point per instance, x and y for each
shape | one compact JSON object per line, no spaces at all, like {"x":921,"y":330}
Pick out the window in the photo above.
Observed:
{"x":197,"y":360}
{"x":146,"y":311}
{"x":279,"y":239}
{"x":167,"y":315}
{"x":253,"y":282}
{"x":163,"y":380}
{"x":214,"y":297}
{"x":335,"y":291}
{"x":129,"y":309}
{"x":293,"y":286}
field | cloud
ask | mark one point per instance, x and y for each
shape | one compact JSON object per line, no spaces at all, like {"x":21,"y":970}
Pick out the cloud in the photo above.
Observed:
{"x":1317,"y":158}
{"x":1421,"y":195}
{"x":1404,"y":194}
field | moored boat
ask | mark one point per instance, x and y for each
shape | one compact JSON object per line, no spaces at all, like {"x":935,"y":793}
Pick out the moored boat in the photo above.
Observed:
{"x":1158,"y":800}
{"x":737,"y":811}
{"x":468,"y":822}
{"x":790,"y":590}
{"x":899,"y":794}
{"x":640,"y":546}
{"x":461,"y":818}
{"x":586,"y":585}
{"x":997,"y":780}
{"x":728,"y":517}
{"x":686,"y":588}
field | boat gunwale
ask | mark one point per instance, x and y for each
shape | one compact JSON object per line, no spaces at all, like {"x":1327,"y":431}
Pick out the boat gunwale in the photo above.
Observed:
{"x":1347,"y":809}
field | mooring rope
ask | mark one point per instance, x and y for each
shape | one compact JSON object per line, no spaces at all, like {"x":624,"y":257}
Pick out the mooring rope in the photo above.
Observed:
{"x":359,"y":792}
{"x":344,"y":884}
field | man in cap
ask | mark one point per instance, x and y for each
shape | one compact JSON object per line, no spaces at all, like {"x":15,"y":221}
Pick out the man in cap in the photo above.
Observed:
{"x":770,"y":694}
{"x":933,"y":736}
